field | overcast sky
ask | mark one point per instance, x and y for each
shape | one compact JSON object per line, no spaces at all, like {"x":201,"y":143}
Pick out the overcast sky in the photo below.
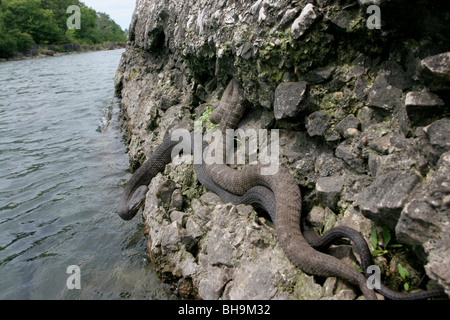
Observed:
{"x":120,"y":11}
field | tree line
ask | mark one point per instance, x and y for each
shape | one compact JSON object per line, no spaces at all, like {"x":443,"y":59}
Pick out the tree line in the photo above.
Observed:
{"x":26,"y":23}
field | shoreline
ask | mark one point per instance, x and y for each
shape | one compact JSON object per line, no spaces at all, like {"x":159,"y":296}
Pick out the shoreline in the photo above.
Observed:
{"x":50,"y":53}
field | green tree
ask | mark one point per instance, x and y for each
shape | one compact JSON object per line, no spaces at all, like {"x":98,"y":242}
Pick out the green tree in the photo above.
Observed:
{"x":24,"y":23}
{"x":29,"y":17}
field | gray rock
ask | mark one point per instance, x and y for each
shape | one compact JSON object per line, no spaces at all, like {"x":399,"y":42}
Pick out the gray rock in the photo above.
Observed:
{"x":423,"y":100}
{"x":425,"y":221}
{"x":418,"y":223}
{"x":290,"y":99}
{"x":165,"y":190}
{"x":439,"y":134}
{"x":178,"y":216}
{"x":317,"y":217}
{"x":174,"y":237}
{"x":349,"y":122}
{"x":256,"y":282}
{"x":383,"y":200}
{"x":438,"y":196}
{"x":361,"y":89}
{"x":218,"y":248}
{"x":435,"y":70}
{"x":328,"y":190}
{"x":317,"y":123}
{"x":344,"y":19}
{"x":395,"y":75}
{"x":166,"y":102}
{"x":48,"y":52}
{"x":383,"y":95}
{"x":420,"y":105}
{"x":320,"y":75}
{"x":288,"y":16}
{"x":306,"y":19}
{"x":211,"y":198}
{"x":177,"y":200}
{"x":351,"y":154}
{"x":193,"y":229}
{"x":212,"y":286}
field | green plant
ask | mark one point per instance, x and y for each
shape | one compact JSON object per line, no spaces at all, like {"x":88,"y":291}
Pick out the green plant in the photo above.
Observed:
{"x":204,"y":119}
{"x":166,"y":85}
{"x":404,"y":274}
{"x":327,"y":224}
{"x":382,"y":250}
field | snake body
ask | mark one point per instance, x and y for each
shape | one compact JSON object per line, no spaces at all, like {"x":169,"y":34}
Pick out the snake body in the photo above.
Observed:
{"x":277,"y":194}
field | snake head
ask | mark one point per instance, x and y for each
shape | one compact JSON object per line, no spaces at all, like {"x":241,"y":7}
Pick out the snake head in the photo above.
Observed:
{"x":128,"y":210}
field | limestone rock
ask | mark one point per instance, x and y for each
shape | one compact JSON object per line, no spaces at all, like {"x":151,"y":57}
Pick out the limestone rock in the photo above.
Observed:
{"x":439,"y":134}
{"x":317,"y":123}
{"x":328,"y":190}
{"x":418,"y":103}
{"x":290,"y":99}
{"x":418,"y":223}
{"x":383,"y":95}
{"x":436,"y":71}
{"x":306,"y":19}
{"x":384,"y":199}
{"x":349,"y":122}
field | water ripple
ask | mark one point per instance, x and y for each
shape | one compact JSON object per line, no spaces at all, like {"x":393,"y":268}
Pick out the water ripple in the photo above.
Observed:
{"x":62,"y":157}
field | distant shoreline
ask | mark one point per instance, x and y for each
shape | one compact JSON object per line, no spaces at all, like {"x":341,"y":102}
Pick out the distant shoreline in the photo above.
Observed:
{"x":52,"y":51}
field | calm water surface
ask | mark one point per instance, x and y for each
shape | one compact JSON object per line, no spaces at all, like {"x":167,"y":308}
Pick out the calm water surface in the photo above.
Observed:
{"x":63,"y":166}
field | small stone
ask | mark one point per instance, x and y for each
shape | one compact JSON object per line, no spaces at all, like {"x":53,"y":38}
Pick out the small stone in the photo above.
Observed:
{"x":288,"y":16}
{"x":320,"y":75}
{"x":178,"y":216}
{"x":316,"y":217}
{"x":317,"y":123}
{"x":383,"y":95}
{"x":193,"y":229}
{"x":422,"y":99}
{"x":289,"y":99}
{"x":351,"y":155}
{"x":383,"y":200}
{"x":329,"y":286}
{"x":350,"y":122}
{"x":177,"y":199}
{"x":164,"y":190}
{"x":395,"y":75}
{"x":166,"y":102}
{"x":420,"y":105}
{"x":439,"y":134}
{"x":211,"y":198}
{"x":435,"y":71}
{"x":306,"y":19}
{"x":174,"y":236}
{"x":328,"y":190}
{"x":344,"y":19}
{"x":211,"y":287}
{"x":351,"y":133}
{"x":417,"y":224}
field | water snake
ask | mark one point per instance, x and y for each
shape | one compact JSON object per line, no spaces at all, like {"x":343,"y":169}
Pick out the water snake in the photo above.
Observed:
{"x":277,"y":194}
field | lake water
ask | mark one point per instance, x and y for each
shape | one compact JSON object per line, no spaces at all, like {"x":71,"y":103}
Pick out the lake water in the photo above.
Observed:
{"x":63,"y":166}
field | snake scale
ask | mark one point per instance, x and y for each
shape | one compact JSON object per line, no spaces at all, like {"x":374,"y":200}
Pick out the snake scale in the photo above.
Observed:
{"x":277,"y":194}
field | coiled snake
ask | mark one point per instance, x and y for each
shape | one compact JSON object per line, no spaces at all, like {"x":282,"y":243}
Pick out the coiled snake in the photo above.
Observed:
{"x":277,"y":194}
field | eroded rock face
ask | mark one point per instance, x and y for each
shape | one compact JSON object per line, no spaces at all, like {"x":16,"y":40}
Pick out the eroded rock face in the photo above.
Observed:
{"x":364,"y":128}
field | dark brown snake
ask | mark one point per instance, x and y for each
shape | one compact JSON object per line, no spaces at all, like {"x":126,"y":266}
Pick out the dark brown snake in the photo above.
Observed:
{"x":278,"y":194}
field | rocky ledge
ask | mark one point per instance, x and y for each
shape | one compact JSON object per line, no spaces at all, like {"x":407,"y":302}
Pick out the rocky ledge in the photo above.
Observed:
{"x":364,"y":128}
